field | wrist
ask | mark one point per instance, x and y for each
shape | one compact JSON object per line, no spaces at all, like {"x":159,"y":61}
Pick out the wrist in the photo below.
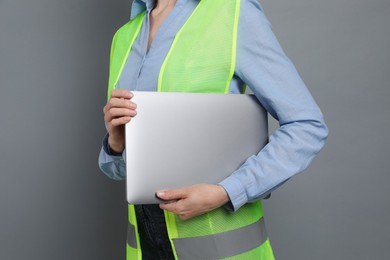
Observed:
{"x":224,"y":197}
{"x":116,"y":146}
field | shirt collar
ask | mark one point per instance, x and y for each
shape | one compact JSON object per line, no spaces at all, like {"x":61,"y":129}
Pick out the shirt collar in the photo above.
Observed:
{"x":140,"y":6}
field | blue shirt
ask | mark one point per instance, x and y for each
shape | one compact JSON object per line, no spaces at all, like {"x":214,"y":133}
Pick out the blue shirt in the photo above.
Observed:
{"x":264,"y":67}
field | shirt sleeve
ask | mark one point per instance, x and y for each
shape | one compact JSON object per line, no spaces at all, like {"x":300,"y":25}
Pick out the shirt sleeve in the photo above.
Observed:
{"x":264,"y":67}
{"x":112,"y":164}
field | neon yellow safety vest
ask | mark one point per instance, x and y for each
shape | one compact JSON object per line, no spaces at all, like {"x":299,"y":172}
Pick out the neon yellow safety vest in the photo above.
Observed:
{"x":201,"y":59}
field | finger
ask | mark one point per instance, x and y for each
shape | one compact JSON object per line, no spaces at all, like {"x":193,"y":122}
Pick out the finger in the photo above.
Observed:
{"x":119,"y":112}
{"x":176,"y":194}
{"x":121,"y":93}
{"x":121,"y":120}
{"x":169,"y":207}
{"x":118,"y":102}
{"x":177,"y":208}
{"x":186,"y":216}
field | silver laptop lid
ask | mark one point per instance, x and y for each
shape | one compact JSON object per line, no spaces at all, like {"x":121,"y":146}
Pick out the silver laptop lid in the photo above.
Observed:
{"x":180,"y":139}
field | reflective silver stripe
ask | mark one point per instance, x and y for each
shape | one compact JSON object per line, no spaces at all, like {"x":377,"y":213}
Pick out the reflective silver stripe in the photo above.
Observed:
{"x":222,"y":245}
{"x":131,"y":236}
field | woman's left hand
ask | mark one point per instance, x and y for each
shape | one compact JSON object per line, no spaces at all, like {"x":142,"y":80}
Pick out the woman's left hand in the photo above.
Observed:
{"x":194,"y":200}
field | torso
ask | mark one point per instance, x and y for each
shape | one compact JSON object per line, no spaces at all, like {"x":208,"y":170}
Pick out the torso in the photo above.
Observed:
{"x":150,"y":48}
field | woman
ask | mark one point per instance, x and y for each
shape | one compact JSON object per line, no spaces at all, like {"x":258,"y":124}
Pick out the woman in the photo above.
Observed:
{"x":209,"y":46}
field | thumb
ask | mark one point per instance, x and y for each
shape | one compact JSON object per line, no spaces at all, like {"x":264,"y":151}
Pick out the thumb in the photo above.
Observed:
{"x":176,"y":194}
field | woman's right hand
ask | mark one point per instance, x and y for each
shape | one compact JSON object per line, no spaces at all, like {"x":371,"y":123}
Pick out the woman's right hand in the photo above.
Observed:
{"x":118,"y":111}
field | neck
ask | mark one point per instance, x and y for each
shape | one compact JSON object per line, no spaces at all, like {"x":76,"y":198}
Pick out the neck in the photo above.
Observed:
{"x":162,"y":5}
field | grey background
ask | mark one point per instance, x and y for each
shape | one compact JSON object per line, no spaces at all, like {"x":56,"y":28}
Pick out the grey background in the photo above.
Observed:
{"x":54,"y":202}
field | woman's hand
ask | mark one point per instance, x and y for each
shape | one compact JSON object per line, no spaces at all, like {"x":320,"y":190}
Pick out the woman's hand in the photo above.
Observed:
{"x":194,"y":200}
{"x":118,"y":111}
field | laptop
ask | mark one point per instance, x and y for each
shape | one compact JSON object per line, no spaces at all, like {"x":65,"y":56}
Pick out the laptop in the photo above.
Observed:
{"x":180,"y":139}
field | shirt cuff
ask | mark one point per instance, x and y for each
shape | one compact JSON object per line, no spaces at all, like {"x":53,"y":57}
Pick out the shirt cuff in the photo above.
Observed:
{"x":236,"y":193}
{"x":106,"y":147}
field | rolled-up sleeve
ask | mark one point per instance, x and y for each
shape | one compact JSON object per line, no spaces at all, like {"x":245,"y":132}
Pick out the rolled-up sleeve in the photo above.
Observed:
{"x":112,"y":165}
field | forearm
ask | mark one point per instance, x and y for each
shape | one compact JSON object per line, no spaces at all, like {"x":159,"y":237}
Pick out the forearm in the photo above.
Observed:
{"x":290,"y":150}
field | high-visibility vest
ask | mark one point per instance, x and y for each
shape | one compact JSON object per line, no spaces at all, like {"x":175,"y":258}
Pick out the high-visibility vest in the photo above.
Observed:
{"x":201,"y":59}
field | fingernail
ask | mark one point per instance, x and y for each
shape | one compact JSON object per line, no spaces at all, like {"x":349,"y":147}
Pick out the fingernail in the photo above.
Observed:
{"x":160,"y":194}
